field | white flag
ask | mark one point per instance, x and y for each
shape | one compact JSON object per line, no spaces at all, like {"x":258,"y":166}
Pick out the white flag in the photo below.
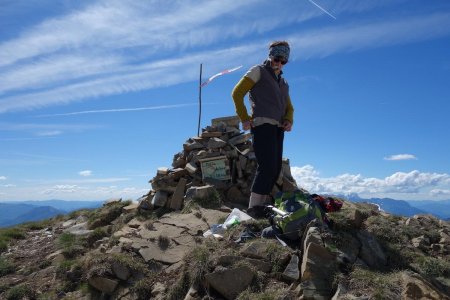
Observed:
{"x":219,"y":74}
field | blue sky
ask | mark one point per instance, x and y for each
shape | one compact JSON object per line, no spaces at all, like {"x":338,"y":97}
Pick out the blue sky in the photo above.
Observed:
{"x":96,"y":95}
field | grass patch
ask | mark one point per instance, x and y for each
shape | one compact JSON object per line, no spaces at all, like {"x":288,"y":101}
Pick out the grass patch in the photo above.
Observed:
{"x":100,"y":265}
{"x":212,"y":201}
{"x":277,"y":256}
{"x":433,"y":267}
{"x":71,"y":245}
{"x":3,"y":246}
{"x":199,"y":261}
{"x":375,"y":285}
{"x":180,"y":288}
{"x":271,"y":294}
{"x":82,"y":212}
{"x":96,"y":235}
{"x":12,"y":233}
{"x":8,"y":234}
{"x":142,"y":289}
{"x":105,"y":215}
{"x":39,"y":225}
{"x":163,"y":242}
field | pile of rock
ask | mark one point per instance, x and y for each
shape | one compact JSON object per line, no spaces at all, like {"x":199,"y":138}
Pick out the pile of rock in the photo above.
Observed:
{"x":220,"y":159}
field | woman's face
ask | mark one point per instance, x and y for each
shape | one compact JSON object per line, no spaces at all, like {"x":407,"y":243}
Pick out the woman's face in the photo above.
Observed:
{"x":277,"y":63}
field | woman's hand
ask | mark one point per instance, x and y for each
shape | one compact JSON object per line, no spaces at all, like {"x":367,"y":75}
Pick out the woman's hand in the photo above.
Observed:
{"x":287,"y":126}
{"x":246,"y":125}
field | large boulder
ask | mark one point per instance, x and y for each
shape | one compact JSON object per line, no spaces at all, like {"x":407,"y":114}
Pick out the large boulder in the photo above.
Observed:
{"x":416,"y":287}
{"x":103,"y":284}
{"x":230,"y":282}
{"x":371,"y":251}
{"x":317,"y":272}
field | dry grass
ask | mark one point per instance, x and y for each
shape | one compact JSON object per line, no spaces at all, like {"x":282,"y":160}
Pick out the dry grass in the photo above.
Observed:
{"x":375,"y":285}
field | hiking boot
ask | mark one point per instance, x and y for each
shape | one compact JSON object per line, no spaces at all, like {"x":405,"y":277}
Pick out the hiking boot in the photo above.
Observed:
{"x":257,"y":212}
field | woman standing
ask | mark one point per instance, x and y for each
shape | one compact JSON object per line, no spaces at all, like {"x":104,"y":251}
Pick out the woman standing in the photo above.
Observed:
{"x":271,"y":115}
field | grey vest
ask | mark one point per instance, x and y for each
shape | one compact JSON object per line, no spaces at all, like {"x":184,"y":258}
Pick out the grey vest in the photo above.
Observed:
{"x":268,"y":97}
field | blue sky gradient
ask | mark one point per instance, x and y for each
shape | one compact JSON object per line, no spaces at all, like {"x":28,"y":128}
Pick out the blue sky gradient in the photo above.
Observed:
{"x":96,"y":95}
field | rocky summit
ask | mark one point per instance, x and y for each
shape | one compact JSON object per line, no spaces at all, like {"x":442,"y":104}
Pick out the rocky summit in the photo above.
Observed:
{"x":172,"y":242}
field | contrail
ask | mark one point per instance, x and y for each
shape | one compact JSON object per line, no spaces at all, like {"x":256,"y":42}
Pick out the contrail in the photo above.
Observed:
{"x":322,"y":9}
{"x":118,"y":110}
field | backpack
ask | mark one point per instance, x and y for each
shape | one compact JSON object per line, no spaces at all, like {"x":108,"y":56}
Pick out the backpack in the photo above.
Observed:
{"x":328,"y":204}
{"x":300,"y":209}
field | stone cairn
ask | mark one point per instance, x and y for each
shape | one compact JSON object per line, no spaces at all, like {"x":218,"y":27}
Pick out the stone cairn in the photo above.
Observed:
{"x":220,"y":160}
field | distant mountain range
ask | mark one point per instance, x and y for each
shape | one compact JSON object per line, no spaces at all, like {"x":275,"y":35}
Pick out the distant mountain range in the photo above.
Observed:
{"x":407,"y":208}
{"x":13,"y":213}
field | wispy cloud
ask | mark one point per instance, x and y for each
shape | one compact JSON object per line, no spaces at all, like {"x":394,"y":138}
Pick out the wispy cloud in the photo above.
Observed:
{"x":85,"y":173}
{"x":114,"y":110}
{"x":404,"y":183}
{"x":49,"y":133}
{"x":114,"y":47}
{"x":44,"y":127}
{"x":2,"y":177}
{"x":401,"y":157}
{"x":322,"y":9}
{"x":78,"y":181}
{"x":61,"y":188}
{"x":42,"y":131}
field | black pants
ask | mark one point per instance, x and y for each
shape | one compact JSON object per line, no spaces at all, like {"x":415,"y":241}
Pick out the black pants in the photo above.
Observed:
{"x":268,"y":146}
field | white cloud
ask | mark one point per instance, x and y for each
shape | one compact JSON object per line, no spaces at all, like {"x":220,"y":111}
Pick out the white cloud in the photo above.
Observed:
{"x":399,"y":183}
{"x":438,"y":192}
{"x":77,"y":192}
{"x":401,"y":157}
{"x":2,"y":177}
{"x":9,"y":185}
{"x":108,"y":48}
{"x":49,"y":133}
{"x":61,"y":189}
{"x":85,"y":173}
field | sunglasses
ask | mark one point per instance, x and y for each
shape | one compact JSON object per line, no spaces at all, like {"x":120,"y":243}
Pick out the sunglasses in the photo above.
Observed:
{"x":278,"y":59}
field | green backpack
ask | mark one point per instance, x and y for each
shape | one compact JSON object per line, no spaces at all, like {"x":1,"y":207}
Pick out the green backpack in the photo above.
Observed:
{"x":300,"y":209}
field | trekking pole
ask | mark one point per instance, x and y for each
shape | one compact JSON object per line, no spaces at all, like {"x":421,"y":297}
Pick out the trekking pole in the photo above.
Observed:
{"x":277,"y":211}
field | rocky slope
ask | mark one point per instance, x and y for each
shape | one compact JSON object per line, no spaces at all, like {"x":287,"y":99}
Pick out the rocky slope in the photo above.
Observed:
{"x":156,"y":249}
{"x":140,"y":255}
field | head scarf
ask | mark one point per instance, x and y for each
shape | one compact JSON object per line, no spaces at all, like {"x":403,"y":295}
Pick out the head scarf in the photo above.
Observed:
{"x":280,"y":50}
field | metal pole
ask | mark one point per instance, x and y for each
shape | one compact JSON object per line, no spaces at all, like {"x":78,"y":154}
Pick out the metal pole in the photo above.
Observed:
{"x":199,"y":101}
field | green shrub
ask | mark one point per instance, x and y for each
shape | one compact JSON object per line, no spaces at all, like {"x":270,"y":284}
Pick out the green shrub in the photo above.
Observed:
{"x":3,"y":246}
{"x":6,"y":267}
{"x":20,"y":292}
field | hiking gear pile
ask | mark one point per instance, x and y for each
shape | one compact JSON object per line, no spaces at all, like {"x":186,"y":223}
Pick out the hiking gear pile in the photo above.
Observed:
{"x":292,"y":211}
